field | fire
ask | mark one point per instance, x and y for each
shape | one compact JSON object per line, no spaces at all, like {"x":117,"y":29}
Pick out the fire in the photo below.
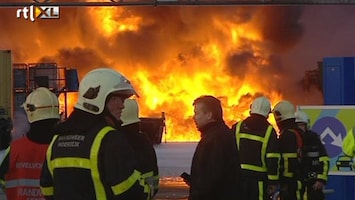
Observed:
{"x":172,"y":87}
{"x":172,"y":56}
{"x":111,"y":20}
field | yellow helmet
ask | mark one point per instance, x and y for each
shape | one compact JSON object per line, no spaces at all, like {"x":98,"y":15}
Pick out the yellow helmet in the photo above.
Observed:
{"x":97,"y":85}
{"x":41,"y":104}
{"x":130,"y":113}
{"x":261,"y":106}
{"x":283,"y":110}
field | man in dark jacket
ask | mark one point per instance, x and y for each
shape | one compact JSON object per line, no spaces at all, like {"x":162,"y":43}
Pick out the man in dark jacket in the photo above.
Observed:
{"x":88,"y":157}
{"x":291,"y":142}
{"x":259,"y":152}
{"x":215,"y":169}
{"x":143,"y":148}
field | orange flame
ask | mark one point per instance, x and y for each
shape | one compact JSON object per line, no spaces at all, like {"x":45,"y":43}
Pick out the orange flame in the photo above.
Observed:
{"x":172,"y":86}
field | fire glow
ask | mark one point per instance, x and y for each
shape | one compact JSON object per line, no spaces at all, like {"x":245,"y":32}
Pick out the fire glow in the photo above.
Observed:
{"x":171,"y":55}
{"x":172,"y":86}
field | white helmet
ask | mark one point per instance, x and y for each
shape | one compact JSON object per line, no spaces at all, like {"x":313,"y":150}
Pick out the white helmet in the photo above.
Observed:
{"x":97,"y":85}
{"x":41,"y":104}
{"x":283,"y":110}
{"x":130,"y":113}
{"x":261,"y":106}
{"x":302,"y":117}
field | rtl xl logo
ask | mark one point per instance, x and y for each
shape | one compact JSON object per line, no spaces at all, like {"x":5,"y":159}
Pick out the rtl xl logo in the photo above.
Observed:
{"x":41,"y":12}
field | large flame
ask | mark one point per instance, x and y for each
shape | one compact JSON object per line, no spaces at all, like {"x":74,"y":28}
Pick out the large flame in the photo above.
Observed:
{"x":172,"y":55}
{"x":172,"y":87}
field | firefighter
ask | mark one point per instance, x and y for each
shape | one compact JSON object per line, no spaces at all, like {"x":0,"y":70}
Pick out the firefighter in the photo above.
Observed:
{"x":259,"y":152}
{"x":88,"y":157}
{"x":143,"y":148}
{"x":290,"y":138}
{"x":22,"y":166}
{"x":215,"y":167}
{"x":315,"y":160}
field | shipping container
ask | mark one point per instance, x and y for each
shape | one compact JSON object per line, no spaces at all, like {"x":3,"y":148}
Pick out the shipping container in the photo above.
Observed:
{"x":339,"y":80}
{"x":6,"y":82}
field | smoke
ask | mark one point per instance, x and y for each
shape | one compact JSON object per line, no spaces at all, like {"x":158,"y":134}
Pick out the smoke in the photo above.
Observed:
{"x":281,"y":26}
{"x":163,"y":40}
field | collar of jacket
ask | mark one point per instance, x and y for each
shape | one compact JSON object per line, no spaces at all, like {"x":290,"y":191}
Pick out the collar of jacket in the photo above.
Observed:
{"x":288,"y":123}
{"x":206,"y":129}
{"x":78,"y":122}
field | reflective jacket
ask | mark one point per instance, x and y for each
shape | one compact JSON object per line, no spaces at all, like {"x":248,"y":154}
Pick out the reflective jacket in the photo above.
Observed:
{"x":290,"y":167}
{"x":28,"y":153}
{"x":89,"y":160}
{"x":22,"y":179}
{"x":258,"y":149}
{"x":314,"y":157}
{"x":145,"y":154}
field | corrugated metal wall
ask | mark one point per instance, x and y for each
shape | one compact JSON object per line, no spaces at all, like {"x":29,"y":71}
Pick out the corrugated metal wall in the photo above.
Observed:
{"x":6,"y":81}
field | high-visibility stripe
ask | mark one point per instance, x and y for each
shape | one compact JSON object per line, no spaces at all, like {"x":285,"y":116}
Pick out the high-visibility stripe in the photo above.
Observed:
{"x":125,"y":185}
{"x":148,"y":174}
{"x":286,"y":157}
{"x":253,"y":168}
{"x":324,"y":175}
{"x":298,"y":190}
{"x":49,"y":154}
{"x":2,"y":182}
{"x":92,"y":165}
{"x":95,"y":174}
{"x":273,"y":177}
{"x":261,"y":190}
{"x":264,"y":146}
{"x":273,"y":155}
{"x":277,"y":156}
{"x":22,"y":183}
{"x":71,"y":162}
{"x":47,"y":191}
{"x":5,"y":154}
{"x":264,"y":140}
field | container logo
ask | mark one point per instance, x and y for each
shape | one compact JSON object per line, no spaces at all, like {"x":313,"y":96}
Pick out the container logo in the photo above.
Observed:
{"x":38,"y":12}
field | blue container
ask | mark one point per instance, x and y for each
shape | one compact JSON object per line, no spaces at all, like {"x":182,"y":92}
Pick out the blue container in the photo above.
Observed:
{"x":341,"y":187}
{"x":72,"y":80}
{"x":339,"y":80}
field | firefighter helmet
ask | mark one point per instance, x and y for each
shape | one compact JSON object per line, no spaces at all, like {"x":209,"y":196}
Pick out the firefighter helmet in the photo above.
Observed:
{"x":302,"y":117}
{"x":130,"y":113}
{"x":283,"y":110}
{"x":261,"y":106}
{"x":97,"y":84}
{"x":41,"y":104}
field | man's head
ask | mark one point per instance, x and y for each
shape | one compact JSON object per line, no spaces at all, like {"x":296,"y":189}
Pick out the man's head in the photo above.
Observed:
{"x":207,"y":109}
{"x":104,"y":90}
{"x":283,"y":110}
{"x":41,"y":104}
{"x":302,"y":120}
{"x":130,"y":113}
{"x":261,"y":106}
